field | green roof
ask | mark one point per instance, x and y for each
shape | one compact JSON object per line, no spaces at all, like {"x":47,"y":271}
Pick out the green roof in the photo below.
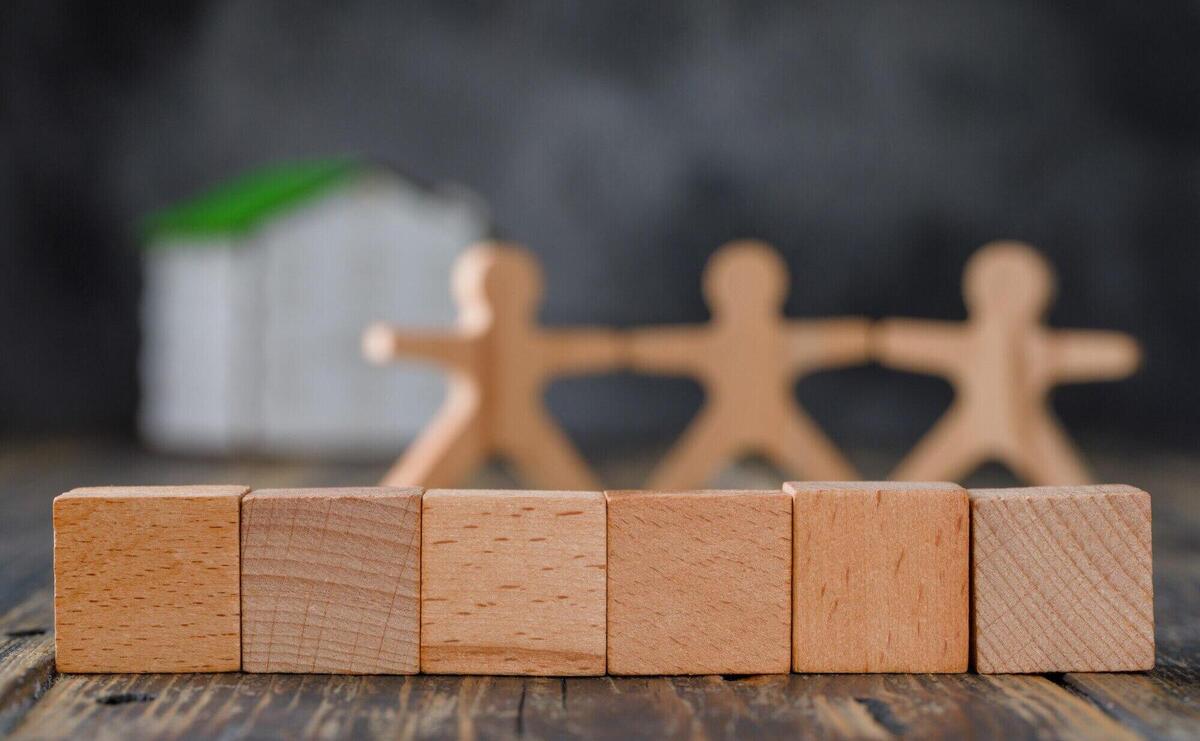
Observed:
{"x":241,"y":205}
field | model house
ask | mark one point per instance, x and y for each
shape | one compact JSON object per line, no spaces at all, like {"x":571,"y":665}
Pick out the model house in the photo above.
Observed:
{"x":256,"y":296}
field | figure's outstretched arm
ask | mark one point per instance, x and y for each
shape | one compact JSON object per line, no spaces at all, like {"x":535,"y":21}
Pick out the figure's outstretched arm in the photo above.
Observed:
{"x":699,"y":455}
{"x":1048,"y":457}
{"x":382,"y":343}
{"x":450,"y":448}
{"x":667,"y":350}
{"x":546,"y":458}
{"x":1083,"y":355}
{"x":936,"y":348}
{"x":583,"y":350}
{"x":803,"y":450}
{"x":948,"y":452}
{"x":828,"y":343}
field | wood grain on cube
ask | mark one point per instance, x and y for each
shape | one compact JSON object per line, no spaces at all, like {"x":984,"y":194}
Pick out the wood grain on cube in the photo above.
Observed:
{"x":880,"y":577}
{"x":513,"y":582}
{"x":146,"y":579}
{"x":1062,"y":579}
{"x":699,"y":582}
{"x":331,"y":580}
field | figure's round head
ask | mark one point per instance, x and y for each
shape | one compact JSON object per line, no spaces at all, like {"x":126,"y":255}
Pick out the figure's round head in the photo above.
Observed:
{"x":505,"y":277}
{"x":1010,"y":278}
{"x":745,"y":275}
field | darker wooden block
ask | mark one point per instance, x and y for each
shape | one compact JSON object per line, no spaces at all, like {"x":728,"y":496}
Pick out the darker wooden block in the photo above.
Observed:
{"x":513,"y":582}
{"x":146,"y":579}
{"x":331,"y":580}
{"x":1062,"y":579}
{"x":699,"y":582}
{"x":880,"y":577}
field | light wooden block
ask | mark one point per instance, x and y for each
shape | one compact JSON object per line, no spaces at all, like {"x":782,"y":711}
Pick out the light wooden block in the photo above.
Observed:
{"x":146,"y":579}
{"x":880,"y":577}
{"x":1062,"y":579}
{"x":513,"y":582}
{"x":699,"y":582}
{"x":331,"y":581}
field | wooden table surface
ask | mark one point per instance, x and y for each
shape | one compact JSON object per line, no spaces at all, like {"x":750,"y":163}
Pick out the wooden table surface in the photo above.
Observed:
{"x":35,"y":702}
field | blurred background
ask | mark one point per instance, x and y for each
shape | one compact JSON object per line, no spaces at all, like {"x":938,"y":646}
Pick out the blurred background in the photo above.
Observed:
{"x":202,"y":203}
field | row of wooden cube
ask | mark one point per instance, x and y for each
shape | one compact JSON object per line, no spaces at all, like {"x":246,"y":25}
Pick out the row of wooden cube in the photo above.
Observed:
{"x":817,"y":577}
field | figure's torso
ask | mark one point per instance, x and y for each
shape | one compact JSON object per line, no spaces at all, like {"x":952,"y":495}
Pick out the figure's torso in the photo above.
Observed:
{"x":748,"y":377}
{"x":998,"y":386}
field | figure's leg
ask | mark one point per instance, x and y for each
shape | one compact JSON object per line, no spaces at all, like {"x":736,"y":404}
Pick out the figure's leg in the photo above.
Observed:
{"x":546,"y":457}
{"x":1047,"y":456}
{"x":948,"y":452}
{"x":700,"y":453}
{"x":449,"y":449}
{"x":802,"y":449}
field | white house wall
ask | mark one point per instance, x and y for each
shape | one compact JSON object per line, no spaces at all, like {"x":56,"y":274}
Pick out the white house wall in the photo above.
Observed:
{"x":379,"y":249}
{"x":200,"y":364}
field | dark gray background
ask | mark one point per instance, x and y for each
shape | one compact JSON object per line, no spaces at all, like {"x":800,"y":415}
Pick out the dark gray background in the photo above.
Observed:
{"x":877,"y":144}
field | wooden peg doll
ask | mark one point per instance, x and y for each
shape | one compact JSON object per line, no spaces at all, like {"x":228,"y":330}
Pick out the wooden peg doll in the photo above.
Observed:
{"x":748,"y":358}
{"x":500,"y":360}
{"x":1002,"y":362}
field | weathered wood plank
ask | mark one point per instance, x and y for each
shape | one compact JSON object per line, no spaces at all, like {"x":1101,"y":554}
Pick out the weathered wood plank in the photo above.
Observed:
{"x":647,"y":707}
{"x":1161,"y":704}
{"x":1164,"y":703}
{"x":26,"y":656}
{"x":817,"y":706}
{"x":881,"y":706}
{"x":860,"y":706}
{"x":125,"y":706}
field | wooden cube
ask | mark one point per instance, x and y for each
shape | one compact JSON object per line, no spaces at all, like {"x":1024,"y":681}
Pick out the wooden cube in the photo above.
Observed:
{"x":699,"y":582}
{"x":146,"y":579}
{"x":331,"y":581}
{"x":880,"y":577}
{"x":513,"y":582}
{"x":1062,"y":579}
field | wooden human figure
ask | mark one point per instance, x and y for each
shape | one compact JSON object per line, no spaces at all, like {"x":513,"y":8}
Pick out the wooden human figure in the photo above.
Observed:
{"x":1002,"y":362}
{"x":499,"y":360}
{"x":748,"y":359}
